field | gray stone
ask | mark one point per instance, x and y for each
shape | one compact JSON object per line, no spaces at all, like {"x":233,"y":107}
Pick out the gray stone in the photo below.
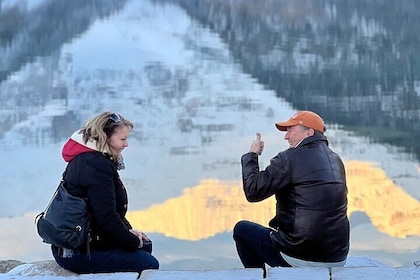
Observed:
{"x":51,"y":270}
{"x":7,"y":265}
{"x":43,"y":268}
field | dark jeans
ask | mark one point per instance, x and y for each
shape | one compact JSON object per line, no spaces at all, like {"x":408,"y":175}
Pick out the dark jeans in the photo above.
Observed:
{"x":115,"y":260}
{"x":255,"y":247}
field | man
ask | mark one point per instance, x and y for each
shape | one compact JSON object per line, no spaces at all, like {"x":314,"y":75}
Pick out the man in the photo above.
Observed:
{"x":308,"y":179}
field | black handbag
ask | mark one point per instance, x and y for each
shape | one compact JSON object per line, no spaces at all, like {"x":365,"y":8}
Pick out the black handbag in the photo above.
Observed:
{"x":66,"y":220}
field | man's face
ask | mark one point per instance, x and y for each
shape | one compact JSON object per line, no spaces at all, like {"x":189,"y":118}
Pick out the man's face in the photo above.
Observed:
{"x":297,"y":133}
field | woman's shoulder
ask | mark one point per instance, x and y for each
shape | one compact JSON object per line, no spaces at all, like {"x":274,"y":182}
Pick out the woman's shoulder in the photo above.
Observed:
{"x":95,"y":160}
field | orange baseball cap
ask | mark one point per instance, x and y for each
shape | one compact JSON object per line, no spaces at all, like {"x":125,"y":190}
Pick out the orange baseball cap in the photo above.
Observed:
{"x":305,"y":118}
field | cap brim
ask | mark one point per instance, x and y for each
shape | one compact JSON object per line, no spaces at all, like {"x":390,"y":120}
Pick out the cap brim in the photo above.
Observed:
{"x":284,"y":125}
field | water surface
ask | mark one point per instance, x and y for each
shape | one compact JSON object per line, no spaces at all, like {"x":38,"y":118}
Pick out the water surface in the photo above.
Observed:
{"x":195,"y":110}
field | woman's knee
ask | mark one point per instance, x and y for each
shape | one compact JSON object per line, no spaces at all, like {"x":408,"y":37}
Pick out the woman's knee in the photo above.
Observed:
{"x":146,"y":261}
{"x":153,"y":263}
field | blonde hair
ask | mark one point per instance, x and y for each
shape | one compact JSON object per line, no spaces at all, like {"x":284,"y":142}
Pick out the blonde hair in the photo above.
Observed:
{"x":101,"y":127}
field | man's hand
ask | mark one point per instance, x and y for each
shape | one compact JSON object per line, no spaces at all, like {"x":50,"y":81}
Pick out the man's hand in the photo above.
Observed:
{"x":257,"y":145}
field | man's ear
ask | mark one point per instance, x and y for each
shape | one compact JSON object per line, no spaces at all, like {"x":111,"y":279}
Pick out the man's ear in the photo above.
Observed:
{"x":311,"y":132}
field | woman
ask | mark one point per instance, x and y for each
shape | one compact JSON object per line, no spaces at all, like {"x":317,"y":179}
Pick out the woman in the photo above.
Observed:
{"x":94,"y":157}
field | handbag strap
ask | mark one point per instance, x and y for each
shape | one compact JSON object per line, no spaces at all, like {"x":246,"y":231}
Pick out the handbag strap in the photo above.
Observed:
{"x":49,"y":203}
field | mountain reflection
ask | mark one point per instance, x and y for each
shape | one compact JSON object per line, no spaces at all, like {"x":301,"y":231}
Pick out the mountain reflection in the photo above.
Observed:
{"x":215,"y":206}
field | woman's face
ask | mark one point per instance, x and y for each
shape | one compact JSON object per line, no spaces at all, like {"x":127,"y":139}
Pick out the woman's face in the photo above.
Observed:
{"x":119,"y":140}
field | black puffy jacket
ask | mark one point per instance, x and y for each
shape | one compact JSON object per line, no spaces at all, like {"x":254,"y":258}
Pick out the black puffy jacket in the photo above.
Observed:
{"x":309,"y":184}
{"x":94,"y":175}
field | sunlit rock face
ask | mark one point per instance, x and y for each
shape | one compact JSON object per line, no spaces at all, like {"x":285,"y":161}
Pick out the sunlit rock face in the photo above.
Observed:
{"x":390,"y":208}
{"x":215,"y":206}
{"x":202,"y":211}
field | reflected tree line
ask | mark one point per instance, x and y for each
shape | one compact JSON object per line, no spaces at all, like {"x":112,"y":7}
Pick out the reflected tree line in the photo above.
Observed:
{"x":26,"y":34}
{"x":355,"y":62}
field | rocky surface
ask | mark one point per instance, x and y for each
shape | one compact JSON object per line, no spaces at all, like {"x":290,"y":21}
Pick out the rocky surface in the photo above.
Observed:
{"x":363,"y":268}
{"x":49,"y":269}
{"x":7,"y":265}
{"x":43,"y":268}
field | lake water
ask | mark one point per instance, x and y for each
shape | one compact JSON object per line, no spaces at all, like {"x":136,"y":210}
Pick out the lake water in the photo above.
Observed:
{"x":196,"y":108}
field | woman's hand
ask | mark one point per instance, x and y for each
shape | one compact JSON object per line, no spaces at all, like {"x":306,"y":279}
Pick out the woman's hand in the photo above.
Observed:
{"x":140,"y":235}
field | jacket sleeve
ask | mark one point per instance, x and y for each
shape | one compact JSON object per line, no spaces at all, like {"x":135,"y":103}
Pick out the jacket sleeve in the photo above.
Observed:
{"x":101,"y":194}
{"x":259,"y":185}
